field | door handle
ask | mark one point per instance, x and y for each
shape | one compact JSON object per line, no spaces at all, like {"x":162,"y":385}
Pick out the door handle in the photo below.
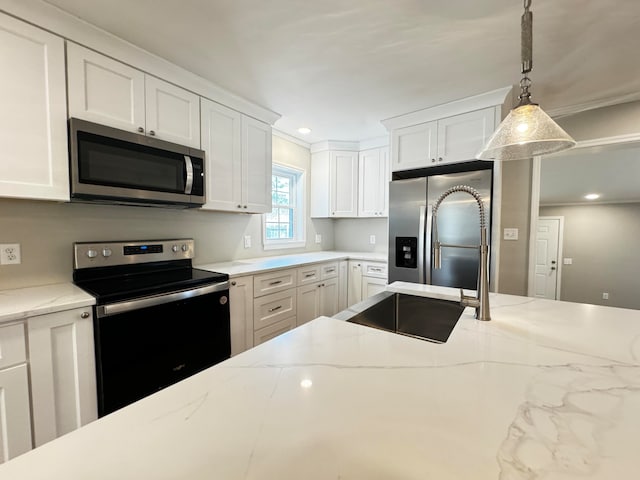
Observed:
{"x":188,"y":165}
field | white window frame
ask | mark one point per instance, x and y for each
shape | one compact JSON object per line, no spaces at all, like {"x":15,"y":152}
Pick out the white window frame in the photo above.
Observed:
{"x":298,"y":201}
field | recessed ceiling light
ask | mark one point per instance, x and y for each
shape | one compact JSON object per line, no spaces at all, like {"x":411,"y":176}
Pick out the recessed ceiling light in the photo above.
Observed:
{"x":592,"y":196}
{"x":304,"y":130}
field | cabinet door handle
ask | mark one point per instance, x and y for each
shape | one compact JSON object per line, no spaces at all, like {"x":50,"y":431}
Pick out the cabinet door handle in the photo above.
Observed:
{"x":140,"y":129}
{"x":152,"y":133}
{"x":84,"y":315}
{"x":275,"y":308}
{"x":233,"y":283}
{"x":439,"y":159}
{"x":277,"y":282}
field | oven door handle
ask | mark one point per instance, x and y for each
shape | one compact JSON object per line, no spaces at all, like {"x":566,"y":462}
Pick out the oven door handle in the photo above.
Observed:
{"x":151,"y":301}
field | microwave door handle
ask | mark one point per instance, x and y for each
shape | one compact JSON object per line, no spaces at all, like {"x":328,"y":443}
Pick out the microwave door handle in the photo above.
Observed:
{"x":189,"y":168}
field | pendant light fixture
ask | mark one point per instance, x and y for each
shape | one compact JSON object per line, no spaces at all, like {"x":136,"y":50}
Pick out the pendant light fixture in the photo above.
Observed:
{"x":527,"y":131}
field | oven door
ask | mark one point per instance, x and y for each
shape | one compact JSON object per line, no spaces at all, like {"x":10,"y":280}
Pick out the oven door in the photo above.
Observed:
{"x":145,"y":345}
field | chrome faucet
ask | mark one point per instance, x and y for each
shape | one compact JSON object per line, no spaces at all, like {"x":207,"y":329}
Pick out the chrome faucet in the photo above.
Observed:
{"x":481,"y":300}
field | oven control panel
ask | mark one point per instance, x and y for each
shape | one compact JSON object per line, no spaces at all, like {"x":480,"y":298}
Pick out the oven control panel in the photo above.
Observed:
{"x":105,"y":254}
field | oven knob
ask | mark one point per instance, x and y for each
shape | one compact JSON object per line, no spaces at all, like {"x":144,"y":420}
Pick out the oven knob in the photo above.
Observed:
{"x":106,"y":252}
{"x":175,"y":248}
{"x":185,"y":247}
{"x":91,"y":253}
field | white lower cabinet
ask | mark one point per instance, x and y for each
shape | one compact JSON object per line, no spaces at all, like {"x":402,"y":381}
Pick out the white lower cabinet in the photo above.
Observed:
{"x":15,"y":414}
{"x":266,"y":305}
{"x":241,"y":314}
{"x":273,"y":330}
{"x":365,"y":280}
{"x":354,"y":289}
{"x":317,"y":299}
{"x":62,"y":364}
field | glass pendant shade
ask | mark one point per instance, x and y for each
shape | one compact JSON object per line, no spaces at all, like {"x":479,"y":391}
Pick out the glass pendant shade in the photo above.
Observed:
{"x":526,"y":132}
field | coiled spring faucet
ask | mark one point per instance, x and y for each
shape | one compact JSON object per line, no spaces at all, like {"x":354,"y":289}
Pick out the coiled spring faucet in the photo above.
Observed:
{"x":481,"y":301}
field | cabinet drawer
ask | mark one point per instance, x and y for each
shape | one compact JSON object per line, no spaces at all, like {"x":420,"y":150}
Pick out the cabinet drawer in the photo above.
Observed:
{"x":272,"y":331}
{"x":12,"y":345}
{"x":308,"y":274}
{"x":374,"y":269}
{"x":270,"y":309}
{"x":329,"y":270}
{"x":274,"y":282}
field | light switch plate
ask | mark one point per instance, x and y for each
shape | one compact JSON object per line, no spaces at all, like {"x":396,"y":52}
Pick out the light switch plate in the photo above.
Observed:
{"x":511,"y":234}
{"x":318,"y":238}
{"x":247,"y":241}
{"x":567,"y":261}
{"x":372,"y":239}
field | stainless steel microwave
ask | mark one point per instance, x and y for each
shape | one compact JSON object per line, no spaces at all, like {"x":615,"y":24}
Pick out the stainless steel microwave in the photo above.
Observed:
{"x":113,"y":166}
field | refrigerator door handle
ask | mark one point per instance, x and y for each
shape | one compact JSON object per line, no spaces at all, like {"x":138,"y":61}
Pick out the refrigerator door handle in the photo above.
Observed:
{"x":428,"y":245}
{"x":424,"y":245}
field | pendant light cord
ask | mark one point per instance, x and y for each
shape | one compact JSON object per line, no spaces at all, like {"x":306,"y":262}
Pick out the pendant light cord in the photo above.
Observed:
{"x":526,"y":51}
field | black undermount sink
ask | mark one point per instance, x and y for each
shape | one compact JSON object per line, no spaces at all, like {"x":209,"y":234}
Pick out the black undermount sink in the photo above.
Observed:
{"x":421,"y":317}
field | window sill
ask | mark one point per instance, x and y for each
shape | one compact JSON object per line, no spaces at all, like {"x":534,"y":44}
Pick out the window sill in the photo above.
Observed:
{"x":283,"y":245}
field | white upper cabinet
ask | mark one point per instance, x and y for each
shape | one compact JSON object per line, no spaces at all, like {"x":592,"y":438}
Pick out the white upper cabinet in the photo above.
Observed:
{"x":102,"y":90}
{"x":414,"y":146}
{"x":33,"y":126}
{"x":350,"y":183}
{"x":221,"y":127}
{"x":448,"y":140}
{"x":461,"y":137}
{"x":172,"y":113}
{"x":373,"y":182}
{"x":343,"y":184}
{"x":334,"y":184}
{"x":238,"y":160}
{"x":108,"y":92}
{"x":256,"y":164}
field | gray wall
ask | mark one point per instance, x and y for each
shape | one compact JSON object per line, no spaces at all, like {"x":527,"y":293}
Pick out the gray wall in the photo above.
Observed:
{"x":516,"y":213}
{"x":622,"y":119}
{"x":603,"y":242}
{"x":46,"y":230}
{"x":352,"y":234}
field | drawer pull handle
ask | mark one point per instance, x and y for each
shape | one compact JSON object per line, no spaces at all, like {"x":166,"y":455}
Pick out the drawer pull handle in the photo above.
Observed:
{"x":331,"y":270}
{"x":309,"y":275}
{"x":375,"y":269}
{"x":276,"y":282}
{"x":275,"y":308}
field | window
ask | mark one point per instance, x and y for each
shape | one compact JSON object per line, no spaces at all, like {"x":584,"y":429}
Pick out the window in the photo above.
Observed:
{"x":284,"y":226}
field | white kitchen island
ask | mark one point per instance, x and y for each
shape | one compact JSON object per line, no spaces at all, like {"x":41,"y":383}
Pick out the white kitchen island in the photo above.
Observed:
{"x":545,"y":390}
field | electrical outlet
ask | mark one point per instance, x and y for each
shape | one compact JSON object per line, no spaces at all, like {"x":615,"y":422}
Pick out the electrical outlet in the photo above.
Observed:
{"x":318,"y":238}
{"x":372,"y":239}
{"x":567,"y":261}
{"x":605,"y":296}
{"x":247,"y":241}
{"x":10,"y":254}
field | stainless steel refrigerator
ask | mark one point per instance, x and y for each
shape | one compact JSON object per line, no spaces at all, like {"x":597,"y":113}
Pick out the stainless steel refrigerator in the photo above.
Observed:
{"x":411,"y":202}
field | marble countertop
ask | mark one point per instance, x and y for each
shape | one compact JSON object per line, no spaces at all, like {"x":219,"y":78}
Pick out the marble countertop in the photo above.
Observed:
{"x":545,"y":390}
{"x":21,"y":303}
{"x":251,"y":266}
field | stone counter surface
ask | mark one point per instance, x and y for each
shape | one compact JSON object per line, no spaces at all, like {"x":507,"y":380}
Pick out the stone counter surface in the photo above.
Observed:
{"x":545,"y":390}
{"x":23,"y":303}
{"x":251,"y":266}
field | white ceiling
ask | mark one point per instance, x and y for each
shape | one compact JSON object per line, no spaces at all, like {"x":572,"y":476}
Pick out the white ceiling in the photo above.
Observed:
{"x":341,"y":66}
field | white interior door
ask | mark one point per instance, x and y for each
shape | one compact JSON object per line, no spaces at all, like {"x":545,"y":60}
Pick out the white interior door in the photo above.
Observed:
{"x":547,"y":255}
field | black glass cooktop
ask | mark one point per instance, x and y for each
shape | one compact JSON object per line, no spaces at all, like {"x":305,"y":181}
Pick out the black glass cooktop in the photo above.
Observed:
{"x":110,"y":284}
